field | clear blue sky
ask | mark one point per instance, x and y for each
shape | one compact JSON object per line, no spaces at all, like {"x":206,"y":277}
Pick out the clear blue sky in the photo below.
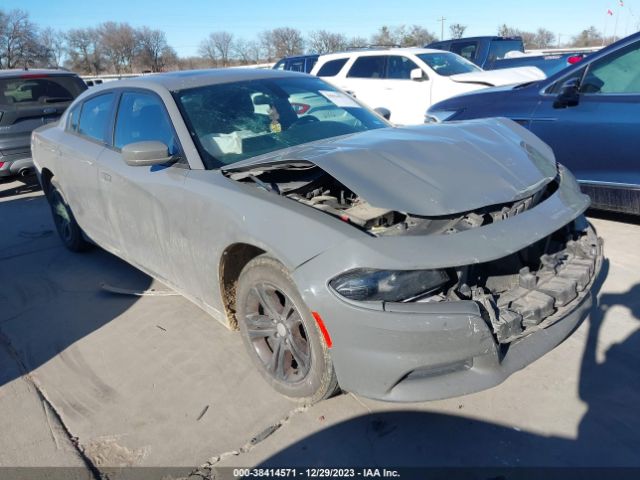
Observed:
{"x":187,"y":22}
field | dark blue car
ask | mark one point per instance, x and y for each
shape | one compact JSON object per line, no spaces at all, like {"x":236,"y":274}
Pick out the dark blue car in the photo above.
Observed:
{"x":588,"y":113}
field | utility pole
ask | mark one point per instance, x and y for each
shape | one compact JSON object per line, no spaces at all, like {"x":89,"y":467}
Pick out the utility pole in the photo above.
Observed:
{"x":441,"y":20}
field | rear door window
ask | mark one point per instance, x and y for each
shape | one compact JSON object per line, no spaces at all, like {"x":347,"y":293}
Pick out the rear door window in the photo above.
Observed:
{"x":465,"y":49}
{"x":368,"y":67}
{"x":95,"y":117}
{"x":142,"y":117}
{"x":399,"y":67}
{"x":331,"y":68}
{"x":39,"y":89}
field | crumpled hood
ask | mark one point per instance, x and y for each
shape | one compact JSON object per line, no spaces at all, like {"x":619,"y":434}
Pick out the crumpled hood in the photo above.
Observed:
{"x":504,"y":76}
{"x":432,"y":170}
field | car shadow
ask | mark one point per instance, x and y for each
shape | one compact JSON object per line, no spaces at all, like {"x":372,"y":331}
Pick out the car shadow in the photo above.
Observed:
{"x":22,"y":185}
{"x":50,"y":297}
{"x":608,"y":434}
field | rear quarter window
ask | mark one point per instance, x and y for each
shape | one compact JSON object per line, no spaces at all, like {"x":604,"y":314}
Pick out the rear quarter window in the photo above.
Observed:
{"x":368,"y":67}
{"x":331,"y":68}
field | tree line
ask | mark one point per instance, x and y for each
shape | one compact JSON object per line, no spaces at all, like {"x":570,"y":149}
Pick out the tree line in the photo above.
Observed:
{"x":117,"y":47}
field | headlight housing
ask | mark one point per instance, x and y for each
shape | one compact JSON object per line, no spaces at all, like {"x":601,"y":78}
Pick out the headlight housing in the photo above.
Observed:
{"x":365,"y":284}
{"x":439,"y":116}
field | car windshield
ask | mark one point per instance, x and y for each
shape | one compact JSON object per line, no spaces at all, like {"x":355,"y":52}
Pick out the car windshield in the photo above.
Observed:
{"x":234,"y":121}
{"x":447,"y":64}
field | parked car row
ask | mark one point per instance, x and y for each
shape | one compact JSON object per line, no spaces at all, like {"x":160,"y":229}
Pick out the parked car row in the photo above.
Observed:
{"x":588,"y":110}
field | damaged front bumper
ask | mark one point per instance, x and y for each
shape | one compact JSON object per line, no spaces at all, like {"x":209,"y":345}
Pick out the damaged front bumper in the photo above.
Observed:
{"x":499,"y":322}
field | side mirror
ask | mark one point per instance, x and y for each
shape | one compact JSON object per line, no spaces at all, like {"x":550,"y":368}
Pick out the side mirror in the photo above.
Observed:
{"x":144,"y":154}
{"x":569,"y":95}
{"x":417,"y":75}
{"x":383,"y":112}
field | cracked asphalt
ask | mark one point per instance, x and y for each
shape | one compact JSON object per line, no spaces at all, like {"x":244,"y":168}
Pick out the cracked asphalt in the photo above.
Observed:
{"x":97,"y":381}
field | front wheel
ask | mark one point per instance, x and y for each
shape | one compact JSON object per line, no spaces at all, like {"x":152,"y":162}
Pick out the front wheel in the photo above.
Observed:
{"x":280,"y":334}
{"x":68,"y":229}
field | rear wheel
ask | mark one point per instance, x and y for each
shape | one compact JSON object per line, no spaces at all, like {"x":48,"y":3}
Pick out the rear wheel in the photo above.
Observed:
{"x":280,"y":334}
{"x":68,"y":229}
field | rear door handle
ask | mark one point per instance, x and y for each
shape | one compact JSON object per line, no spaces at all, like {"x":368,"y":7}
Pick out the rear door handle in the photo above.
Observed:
{"x":105,"y":176}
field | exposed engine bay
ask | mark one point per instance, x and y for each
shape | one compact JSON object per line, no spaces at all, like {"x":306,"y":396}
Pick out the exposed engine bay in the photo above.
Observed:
{"x":307,"y":183}
{"x":534,"y":287}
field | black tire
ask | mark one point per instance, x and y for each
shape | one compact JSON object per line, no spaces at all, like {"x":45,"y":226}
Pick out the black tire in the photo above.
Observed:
{"x":68,"y":229}
{"x":280,"y":334}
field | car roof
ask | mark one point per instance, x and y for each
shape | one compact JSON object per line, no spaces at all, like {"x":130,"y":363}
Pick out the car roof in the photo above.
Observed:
{"x":482,"y":37}
{"x":294,"y":57}
{"x":378,"y":51}
{"x":183,"y":79}
{"x":25,"y":73}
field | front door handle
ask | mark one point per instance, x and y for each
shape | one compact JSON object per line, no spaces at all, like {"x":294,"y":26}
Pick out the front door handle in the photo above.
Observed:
{"x":105,"y":176}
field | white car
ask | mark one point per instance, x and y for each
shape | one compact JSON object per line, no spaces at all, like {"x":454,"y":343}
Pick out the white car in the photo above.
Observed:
{"x":407,"y":81}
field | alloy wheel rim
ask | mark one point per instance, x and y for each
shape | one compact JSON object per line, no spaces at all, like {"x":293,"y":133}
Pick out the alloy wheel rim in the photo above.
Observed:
{"x":277,"y":333}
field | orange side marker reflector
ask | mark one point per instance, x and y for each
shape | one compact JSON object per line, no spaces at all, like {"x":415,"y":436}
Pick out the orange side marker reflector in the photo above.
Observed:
{"x":323,"y":329}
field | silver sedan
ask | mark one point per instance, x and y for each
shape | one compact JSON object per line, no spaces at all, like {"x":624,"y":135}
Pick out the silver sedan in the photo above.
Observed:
{"x":402,"y":264}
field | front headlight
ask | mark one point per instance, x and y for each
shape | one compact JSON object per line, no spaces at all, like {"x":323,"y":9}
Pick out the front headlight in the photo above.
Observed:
{"x":438,"y":116}
{"x":365,"y":284}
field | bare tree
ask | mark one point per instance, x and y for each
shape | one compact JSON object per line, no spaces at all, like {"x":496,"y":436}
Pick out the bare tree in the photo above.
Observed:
{"x":544,"y":38}
{"x":412,"y":36}
{"x":19,"y":46}
{"x":267,"y":44}
{"x":587,"y":38}
{"x":417,"y":36}
{"x":119,"y":43}
{"x":218,"y":45}
{"x":248,"y":52}
{"x":322,"y":41}
{"x":54,"y":43}
{"x":286,"y":41}
{"x":208,"y":51}
{"x":84,"y":50}
{"x":457,"y":30}
{"x":356,"y":42}
{"x":506,"y":31}
{"x":384,"y":36}
{"x":153,"y":53}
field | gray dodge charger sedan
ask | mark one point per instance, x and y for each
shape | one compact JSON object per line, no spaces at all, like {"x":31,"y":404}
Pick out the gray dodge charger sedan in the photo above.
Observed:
{"x":402,"y":264}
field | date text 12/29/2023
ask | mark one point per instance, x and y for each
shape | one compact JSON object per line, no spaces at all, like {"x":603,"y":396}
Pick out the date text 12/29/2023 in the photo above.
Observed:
{"x":315,"y":472}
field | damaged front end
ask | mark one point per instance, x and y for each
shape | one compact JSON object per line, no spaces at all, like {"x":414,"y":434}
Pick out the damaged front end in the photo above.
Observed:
{"x":518,"y":294}
{"x":310,"y":185}
{"x":534,"y":287}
